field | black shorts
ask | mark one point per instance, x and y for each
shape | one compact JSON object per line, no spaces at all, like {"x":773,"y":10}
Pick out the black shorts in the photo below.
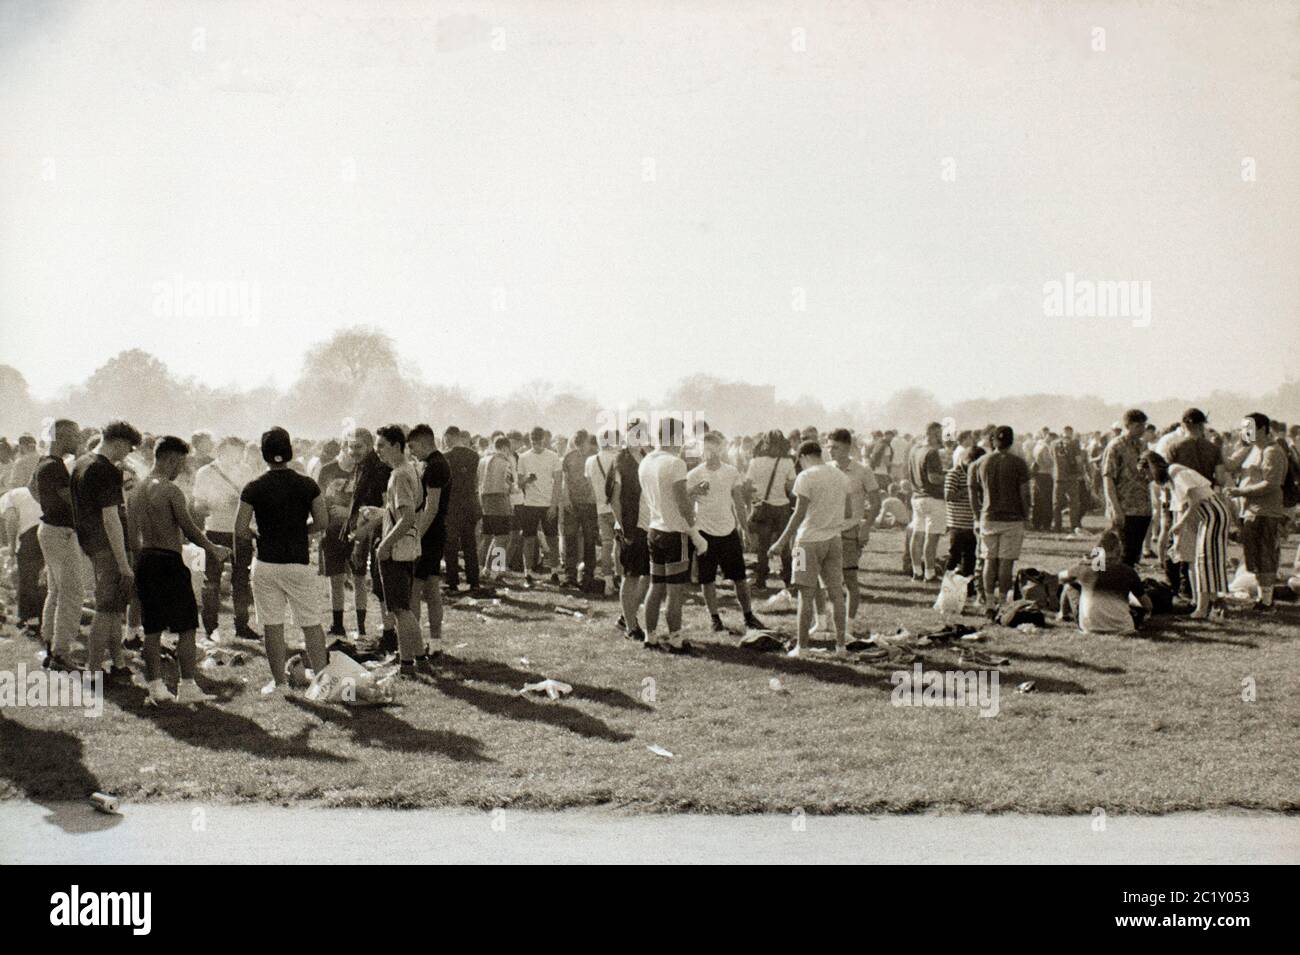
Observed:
{"x":335,"y":554}
{"x":633,"y":553}
{"x":166,"y":592}
{"x":432,"y":547}
{"x":529,"y":518}
{"x":670,"y":557}
{"x":394,"y":581}
{"x":496,"y":524}
{"x":725,"y":553}
{"x":362,"y":559}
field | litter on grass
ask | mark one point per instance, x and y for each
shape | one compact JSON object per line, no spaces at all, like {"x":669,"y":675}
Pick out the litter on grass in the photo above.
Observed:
{"x":552,"y":688}
{"x":659,"y":751}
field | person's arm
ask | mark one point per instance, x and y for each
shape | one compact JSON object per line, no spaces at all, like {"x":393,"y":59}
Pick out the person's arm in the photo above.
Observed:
{"x":134,"y":532}
{"x":116,"y":538}
{"x":1024,"y":498}
{"x":557,"y":482}
{"x":683,"y":499}
{"x":1271,"y":477}
{"x":11,"y":530}
{"x":189,"y":527}
{"x":320,"y":514}
{"x":405,"y":522}
{"x":243,"y":522}
{"x":426,"y":514}
{"x":792,"y":526}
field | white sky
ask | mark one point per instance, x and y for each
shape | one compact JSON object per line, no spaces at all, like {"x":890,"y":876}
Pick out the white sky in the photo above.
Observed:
{"x":521,"y":169}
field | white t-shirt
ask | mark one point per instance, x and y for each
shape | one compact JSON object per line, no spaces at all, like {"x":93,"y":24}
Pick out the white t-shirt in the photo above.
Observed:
{"x":1182,"y":480}
{"x":544,"y":463}
{"x":714,"y":513}
{"x":760,"y":470}
{"x":28,"y":508}
{"x":596,"y":468}
{"x":827,"y":491}
{"x":658,"y":472}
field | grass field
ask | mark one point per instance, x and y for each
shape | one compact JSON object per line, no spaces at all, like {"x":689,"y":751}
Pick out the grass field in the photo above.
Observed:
{"x":1151,"y":724}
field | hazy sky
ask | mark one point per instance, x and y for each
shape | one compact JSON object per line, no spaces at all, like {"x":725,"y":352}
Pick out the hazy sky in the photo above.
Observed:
{"x":616,"y":194}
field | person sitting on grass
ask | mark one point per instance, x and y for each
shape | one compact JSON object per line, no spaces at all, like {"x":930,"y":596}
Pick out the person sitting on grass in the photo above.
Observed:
{"x":1096,"y":591}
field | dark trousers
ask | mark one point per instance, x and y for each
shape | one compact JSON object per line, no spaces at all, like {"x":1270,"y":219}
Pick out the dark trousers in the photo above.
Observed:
{"x":240,"y":591}
{"x":462,"y":538}
{"x":1067,"y":493}
{"x":31,"y":594}
{"x":1041,"y":502}
{"x":961,"y":550}
{"x":1135,"y":532}
{"x":581,"y":531}
{"x":768,"y":532}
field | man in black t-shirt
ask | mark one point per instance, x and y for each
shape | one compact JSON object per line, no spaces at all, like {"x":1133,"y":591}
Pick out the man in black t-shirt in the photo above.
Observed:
{"x":57,"y":536}
{"x":99,"y":513}
{"x":288,"y":507}
{"x":462,"y":509}
{"x":431,"y":521}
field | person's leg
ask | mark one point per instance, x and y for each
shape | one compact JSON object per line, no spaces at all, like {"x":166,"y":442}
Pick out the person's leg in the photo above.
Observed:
{"x":908,"y":566}
{"x":186,"y":654}
{"x":676,"y":598}
{"x":761,"y":564}
{"x":989,"y":554}
{"x":851,"y":590}
{"x":276,"y":653}
{"x":569,"y":521}
{"x":1268,"y":557}
{"x":1005,"y":570}
{"x":314,"y":636}
{"x":607,"y":571}
{"x":589,"y":527}
{"x":631,"y":594}
{"x":931,"y":555}
{"x":743,"y":598}
{"x":241,"y":592}
{"x":468,"y":540}
{"x":153,"y":655}
{"x":431,"y":588}
{"x":918,"y":539}
{"x":711,"y":598}
{"x":451,"y":554}
{"x":806,"y":600}
{"x":211,"y":606}
{"x":653,"y":601}
{"x":551,"y":530}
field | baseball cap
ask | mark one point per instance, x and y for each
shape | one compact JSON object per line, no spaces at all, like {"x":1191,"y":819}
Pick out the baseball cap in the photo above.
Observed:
{"x":276,"y":446}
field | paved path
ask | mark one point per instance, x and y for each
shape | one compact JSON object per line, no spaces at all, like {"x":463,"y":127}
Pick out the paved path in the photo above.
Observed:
{"x":187,"y":832}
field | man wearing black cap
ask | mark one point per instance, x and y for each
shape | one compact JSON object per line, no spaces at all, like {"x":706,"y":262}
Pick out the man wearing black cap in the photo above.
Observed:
{"x":288,"y":507}
{"x":998,"y":484}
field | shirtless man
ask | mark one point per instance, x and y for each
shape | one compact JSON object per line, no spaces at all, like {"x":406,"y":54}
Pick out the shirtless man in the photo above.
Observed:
{"x":158,"y":524}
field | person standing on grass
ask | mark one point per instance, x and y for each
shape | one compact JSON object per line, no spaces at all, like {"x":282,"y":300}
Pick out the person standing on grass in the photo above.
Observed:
{"x":963,"y":543}
{"x":462,"y":510}
{"x":863,"y":506}
{"x":821,"y":499}
{"x":288,"y":508}
{"x":998,"y":484}
{"x":632,"y":523}
{"x":1128,"y":496}
{"x":159,"y":522}
{"x":769,"y":480}
{"x":578,"y":513}
{"x":672,"y":519}
{"x":57,"y":536}
{"x":100,"y":511}
{"x":1261,"y":466}
{"x":398,"y":548}
{"x":337,"y":482}
{"x":368,"y":485}
{"x":1067,"y":481}
{"x":431,"y":524}
{"x":496,"y":485}
{"x":597,"y":470}
{"x":929,"y":522}
{"x":540,"y":477}
{"x":216,"y":500}
{"x":1199,"y":530}
{"x":715,"y":488}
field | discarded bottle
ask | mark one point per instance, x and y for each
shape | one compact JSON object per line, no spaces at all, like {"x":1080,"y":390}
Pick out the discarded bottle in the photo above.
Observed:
{"x":105,"y":803}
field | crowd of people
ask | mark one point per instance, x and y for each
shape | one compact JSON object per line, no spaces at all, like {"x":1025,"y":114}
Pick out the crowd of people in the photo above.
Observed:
{"x":643,"y":516}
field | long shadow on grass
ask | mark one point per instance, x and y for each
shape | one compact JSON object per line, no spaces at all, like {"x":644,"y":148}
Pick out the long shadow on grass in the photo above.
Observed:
{"x":47,"y":766}
{"x":213,"y":728}
{"x":515,"y":707}
{"x":1165,"y":634}
{"x":375,"y":726}
{"x":825,"y":670}
{"x":502,"y":674}
{"x":1070,"y":662}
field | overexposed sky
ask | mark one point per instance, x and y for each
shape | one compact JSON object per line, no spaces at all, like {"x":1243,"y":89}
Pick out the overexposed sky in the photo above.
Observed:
{"x":616,"y":194}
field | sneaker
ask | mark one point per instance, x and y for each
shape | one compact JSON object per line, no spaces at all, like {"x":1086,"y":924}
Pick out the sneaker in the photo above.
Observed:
{"x":334,"y":631}
{"x":425,"y":667}
{"x":637,"y":634}
{"x":621,"y":623}
{"x":677,"y":644}
{"x":555,"y":579}
{"x":654,"y":643}
{"x":794,"y":652}
{"x":187,"y":691}
{"x":159,"y":694}
{"x":719,"y":626}
{"x":407,"y":670}
{"x":528,"y":580}
{"x":275,"y":690}
{"x":245,"y":632}
{"x":117,"y":677}
{"x":753,"y":623}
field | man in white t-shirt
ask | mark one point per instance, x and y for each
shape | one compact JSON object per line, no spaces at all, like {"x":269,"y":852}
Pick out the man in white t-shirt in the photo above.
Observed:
{"x":598,"y":468}
{"x":821,"y":501}
{"x":20,"y":514}
{"x":539,"y":478}
{"x":717,"y":490}
{"x":672,"y":517}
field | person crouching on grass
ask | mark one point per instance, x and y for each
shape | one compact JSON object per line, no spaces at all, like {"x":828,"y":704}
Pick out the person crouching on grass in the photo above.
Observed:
{"x":1096,"y":591}
{"x":158,"y":522}
{"x":288,"y":507}
{"x":821,"y":497}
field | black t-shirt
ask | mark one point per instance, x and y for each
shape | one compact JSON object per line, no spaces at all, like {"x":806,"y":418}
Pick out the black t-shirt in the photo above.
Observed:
{"x":924,"y":461}
{"x":463,"y":463}
{"x":48,"y":480}
{"x":95,"y":483}
{"x":437,"y":474}
{"x":281,"y":500}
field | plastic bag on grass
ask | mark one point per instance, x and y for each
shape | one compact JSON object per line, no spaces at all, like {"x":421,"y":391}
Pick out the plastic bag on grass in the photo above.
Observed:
{"x":952,"y":593}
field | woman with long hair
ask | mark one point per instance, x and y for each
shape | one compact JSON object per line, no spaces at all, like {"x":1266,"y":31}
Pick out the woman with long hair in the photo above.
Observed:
{"x":1196,"y":510}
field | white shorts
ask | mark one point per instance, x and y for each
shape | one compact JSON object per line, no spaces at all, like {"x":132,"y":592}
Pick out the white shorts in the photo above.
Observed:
{"x":929,"y":516}
{"x":280,"y":586}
